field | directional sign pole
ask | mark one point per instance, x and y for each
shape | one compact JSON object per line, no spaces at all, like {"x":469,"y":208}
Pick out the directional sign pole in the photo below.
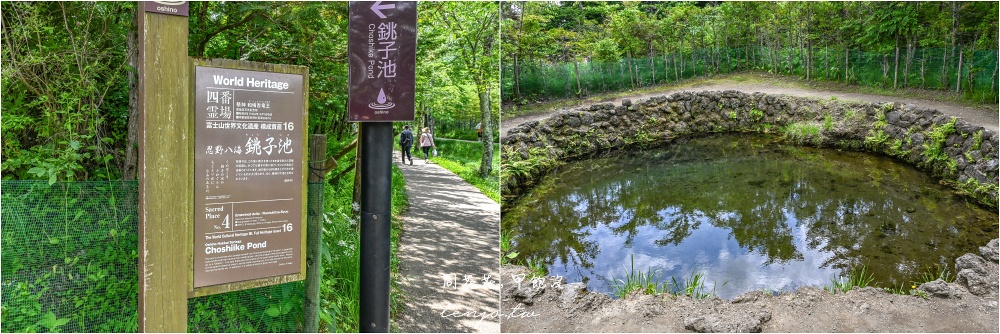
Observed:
{"x":382,"y":40}
{"x":376,"y":205}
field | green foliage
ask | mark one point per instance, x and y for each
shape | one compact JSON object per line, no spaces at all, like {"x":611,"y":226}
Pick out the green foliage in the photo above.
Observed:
{"x":463,"y":159}
{"x":537,"y":267}
{"x":645,"y":282}
{"x":803,"y":133}
{"x":65,"y":89}
{"x":856,"y":278}
{"x":876,"y":139}
{"x":339,"y":289}
{"x":693,"y":286}
{"x":827,"y":122}
{"x":69,"y":255}
{"x":934,"y":147}
{"x":977,"y":139}
{"x":756,"y":115}
{"x":634,"y":45}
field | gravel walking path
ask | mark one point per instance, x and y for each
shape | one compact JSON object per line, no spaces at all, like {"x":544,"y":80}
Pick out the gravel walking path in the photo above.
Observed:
{"x":448,"y":250}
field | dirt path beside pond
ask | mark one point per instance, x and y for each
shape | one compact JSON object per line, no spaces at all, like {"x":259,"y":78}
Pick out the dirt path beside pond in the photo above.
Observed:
{"x":986,"y":117}
{"x":967,"y":305}
{"x":448,"y":248}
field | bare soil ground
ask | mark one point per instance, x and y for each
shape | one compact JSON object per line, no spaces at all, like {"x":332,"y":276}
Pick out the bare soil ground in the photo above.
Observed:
{"x":554,"y":306}
{"x":984,"y":115}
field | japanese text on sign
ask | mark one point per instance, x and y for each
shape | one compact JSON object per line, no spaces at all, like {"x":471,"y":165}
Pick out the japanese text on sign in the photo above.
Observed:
{"x":382,"y":45}
{"x":248,"y":174}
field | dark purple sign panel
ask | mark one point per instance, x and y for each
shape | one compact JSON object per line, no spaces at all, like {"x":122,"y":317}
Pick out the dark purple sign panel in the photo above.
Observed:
{"x":179,"y":8}
{"x":382,"y":44}
{"x":248,"y":175}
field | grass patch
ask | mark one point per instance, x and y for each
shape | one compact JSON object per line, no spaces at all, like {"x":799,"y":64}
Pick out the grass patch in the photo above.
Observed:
{"x":537,"y":267}
{"x":646,"y":282}
{"x":463,"y":159}
{"x":856,"y":278}
{"x":803,"y":133}
{"x":649,"y":282}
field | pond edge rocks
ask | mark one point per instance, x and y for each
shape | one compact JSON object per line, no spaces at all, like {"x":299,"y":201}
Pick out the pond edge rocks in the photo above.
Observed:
{"x":963,"y":155}
{"x":548,"y":304}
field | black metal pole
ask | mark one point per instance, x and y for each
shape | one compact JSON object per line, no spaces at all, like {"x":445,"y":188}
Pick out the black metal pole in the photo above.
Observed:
{"x":376,"y":205}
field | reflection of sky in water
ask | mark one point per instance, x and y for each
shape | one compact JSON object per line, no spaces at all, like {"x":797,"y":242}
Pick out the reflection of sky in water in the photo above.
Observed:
{"x":732,"y":269}
{"x":747,"y":213}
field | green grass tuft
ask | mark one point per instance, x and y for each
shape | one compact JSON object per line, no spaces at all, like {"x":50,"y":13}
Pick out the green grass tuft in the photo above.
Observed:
{"x":463,"y":159}
{"x":856,"y":278}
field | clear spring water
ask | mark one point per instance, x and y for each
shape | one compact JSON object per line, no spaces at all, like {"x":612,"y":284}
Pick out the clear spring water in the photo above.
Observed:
{"x":749,"y":213}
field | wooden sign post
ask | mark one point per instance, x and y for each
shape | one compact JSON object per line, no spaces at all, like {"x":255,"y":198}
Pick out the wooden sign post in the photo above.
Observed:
{"x":166,"y":194}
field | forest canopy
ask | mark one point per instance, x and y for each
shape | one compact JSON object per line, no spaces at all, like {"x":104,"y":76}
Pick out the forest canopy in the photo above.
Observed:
{"x":572,"y":48}
{"x":69,"y":70}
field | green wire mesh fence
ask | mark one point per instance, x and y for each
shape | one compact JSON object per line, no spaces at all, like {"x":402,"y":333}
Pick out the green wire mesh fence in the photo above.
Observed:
{"x":928,"y":68}
{"x":70,"y":261}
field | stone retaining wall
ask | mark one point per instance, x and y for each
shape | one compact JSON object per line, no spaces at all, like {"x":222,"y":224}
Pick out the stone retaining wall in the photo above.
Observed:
{"x":962,"y":154}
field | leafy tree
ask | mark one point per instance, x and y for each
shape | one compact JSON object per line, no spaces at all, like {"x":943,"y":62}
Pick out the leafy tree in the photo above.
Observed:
{"x":473,"y":37}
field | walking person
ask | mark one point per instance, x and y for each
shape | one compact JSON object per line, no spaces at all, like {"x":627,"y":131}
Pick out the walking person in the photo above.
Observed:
{"x":426,"y":143}
{"x":405,"y":142}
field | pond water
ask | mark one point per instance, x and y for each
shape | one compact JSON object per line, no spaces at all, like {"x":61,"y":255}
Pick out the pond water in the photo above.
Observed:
{"x":747,"y":212}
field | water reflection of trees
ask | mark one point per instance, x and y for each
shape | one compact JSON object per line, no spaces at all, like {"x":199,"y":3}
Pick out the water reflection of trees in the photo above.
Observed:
{"x":857,"y":209}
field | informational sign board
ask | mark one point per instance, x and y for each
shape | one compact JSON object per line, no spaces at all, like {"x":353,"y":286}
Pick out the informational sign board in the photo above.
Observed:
{"x":179,"y":8}
{"x":249,"y":180}
{"x":382,"y":45}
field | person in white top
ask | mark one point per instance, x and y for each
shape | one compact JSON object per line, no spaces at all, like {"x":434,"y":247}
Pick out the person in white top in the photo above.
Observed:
{"x":426,"y":143}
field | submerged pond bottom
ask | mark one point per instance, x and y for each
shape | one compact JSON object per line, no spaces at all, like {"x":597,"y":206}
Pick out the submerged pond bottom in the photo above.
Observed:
{"x":745,"y":212}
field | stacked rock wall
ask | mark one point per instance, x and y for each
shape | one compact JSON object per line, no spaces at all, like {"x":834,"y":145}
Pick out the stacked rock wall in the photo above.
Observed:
{"x":962,"y":154}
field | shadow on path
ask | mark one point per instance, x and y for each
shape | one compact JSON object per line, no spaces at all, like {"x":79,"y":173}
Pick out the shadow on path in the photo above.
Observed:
{"x":450,"y":234}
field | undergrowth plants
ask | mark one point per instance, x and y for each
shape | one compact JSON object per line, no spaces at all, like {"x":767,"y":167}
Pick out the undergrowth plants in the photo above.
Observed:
{"x":463,"y":159}
{"x":650,"y":282}
{"x":856,"y":278}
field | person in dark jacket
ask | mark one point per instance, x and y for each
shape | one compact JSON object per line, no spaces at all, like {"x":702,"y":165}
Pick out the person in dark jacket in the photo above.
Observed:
{"x":405,"y":142}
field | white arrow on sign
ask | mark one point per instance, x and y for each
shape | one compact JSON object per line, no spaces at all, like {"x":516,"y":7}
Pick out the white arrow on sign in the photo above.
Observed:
{"x":378,"y":6}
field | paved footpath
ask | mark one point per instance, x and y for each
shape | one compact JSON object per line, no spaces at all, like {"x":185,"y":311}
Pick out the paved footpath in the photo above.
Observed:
{"x":450,"y":243}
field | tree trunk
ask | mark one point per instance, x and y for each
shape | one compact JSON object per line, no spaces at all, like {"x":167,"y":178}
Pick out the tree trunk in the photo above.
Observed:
{"x":847,"y":63}
{"x":517,"y":79}
{"x":993,"y":80}
{"x":652,"y":62}
{"x":895,"y":70}
{"x":631,"y":78}
{"x":486,"y":164}
{"x":666,"y":67}
{"x":808,"y":60}
{"x":826,"y":62}
{"x":958,"y":78}
{"x":517,"y":54}
{"x":683,"y":65}
{"x":906,"y":64}
{"x":944,"y":70}
{"x":129,"y":170}
{"x":923,"y":63}
{"x":674,"y":59}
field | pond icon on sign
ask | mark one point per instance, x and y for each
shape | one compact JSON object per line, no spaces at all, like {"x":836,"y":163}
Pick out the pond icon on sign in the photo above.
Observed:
{"x":381,"y":103}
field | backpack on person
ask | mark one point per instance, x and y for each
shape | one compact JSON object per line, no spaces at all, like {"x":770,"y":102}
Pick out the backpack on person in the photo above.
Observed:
{"x":405,"y":138}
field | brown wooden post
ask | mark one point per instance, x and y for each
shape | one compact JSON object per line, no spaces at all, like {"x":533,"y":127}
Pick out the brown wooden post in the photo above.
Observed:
{"x":166,"y":169}
{"x":314,"y":257}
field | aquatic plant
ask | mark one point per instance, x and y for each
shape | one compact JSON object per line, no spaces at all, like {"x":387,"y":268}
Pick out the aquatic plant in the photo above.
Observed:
{"x":647,"y":282}
{"x":856,"y":278}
